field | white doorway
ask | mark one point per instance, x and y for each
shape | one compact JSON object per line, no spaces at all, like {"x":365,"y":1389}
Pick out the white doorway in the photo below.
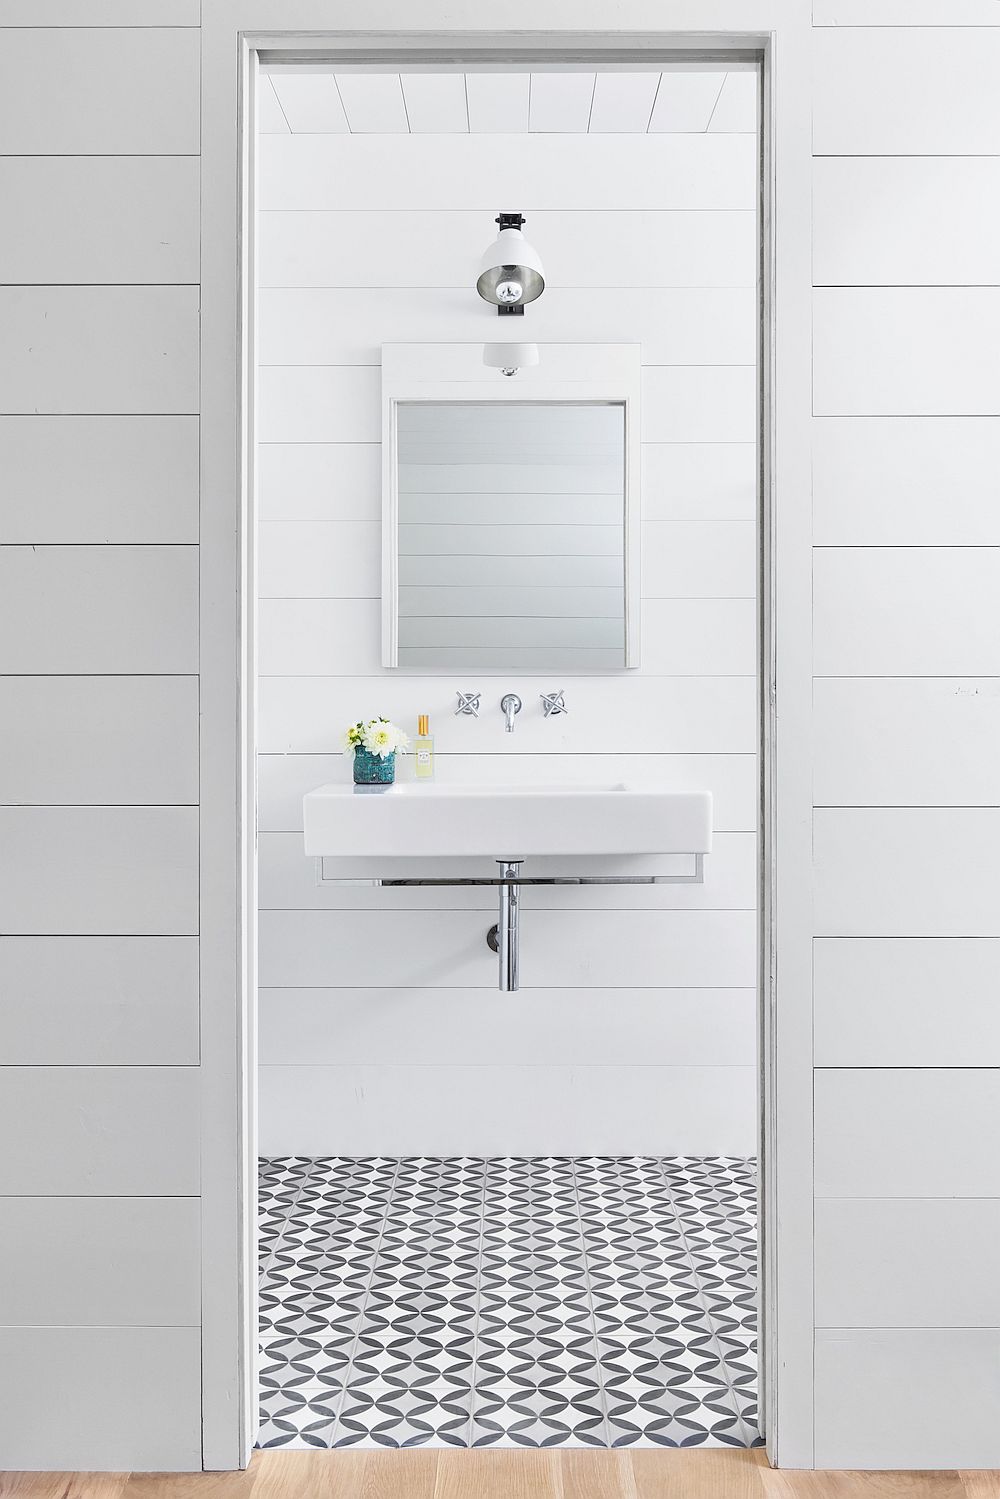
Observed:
{"x":270,"y":639}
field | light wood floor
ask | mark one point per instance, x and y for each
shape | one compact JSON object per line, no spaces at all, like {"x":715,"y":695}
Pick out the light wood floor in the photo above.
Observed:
{"x":720,"y":1473}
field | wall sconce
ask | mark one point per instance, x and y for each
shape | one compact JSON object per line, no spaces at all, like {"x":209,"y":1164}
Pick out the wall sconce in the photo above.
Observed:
{"x":509,"y":358}
{"x":511,"y":272}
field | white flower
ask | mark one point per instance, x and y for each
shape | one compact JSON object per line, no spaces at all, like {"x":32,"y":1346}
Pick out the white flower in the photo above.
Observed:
{"x":383,"y":738}
{"x":378,"y":736}
{"x":379,"y":739}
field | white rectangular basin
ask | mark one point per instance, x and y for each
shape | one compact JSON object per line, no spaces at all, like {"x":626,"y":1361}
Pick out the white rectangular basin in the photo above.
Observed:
{"x":408,"y":821}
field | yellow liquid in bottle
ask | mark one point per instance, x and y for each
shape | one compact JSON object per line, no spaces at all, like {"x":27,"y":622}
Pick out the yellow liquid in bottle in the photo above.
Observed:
{"x":423,"y":751}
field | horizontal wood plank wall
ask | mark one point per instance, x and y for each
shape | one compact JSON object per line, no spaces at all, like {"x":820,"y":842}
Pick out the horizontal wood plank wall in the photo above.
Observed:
{"x":635,"y":1029}
{"x":100,"y":1308}
{"x":907,"y":661}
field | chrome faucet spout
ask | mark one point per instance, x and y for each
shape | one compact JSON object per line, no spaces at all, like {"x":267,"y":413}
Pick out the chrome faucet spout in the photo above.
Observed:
{"x":510,"y":704}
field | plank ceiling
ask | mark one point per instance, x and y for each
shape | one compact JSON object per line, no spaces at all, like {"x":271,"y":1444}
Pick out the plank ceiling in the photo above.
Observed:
{"x":682,"y":102}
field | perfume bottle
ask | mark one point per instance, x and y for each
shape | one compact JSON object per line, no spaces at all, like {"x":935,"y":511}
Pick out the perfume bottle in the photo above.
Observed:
{"x":423,"y":750}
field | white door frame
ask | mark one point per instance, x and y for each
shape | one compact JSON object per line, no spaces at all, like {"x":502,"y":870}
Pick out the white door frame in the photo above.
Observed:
{"x":234,"y":32}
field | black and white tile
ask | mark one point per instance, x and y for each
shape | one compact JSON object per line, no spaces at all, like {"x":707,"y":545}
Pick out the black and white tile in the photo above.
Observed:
{"x":543,"y":1302}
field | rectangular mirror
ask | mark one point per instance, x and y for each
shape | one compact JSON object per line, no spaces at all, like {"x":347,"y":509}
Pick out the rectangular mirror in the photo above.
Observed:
{"x":511,"y":536}
{"x":509,"y":517}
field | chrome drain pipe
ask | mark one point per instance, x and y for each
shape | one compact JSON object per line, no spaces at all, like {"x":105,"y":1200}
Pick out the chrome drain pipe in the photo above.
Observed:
{"x":507,"y":934}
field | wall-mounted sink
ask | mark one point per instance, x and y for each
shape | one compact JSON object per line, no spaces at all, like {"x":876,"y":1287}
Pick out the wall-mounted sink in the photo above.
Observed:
{"x":415,"y":835}
{"x":504,"y":822}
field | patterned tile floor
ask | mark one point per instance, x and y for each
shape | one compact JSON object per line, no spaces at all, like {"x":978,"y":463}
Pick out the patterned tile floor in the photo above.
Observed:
{"x":601,"y":1302}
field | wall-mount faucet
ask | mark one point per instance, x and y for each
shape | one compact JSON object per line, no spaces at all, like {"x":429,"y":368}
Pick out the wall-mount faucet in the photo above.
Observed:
{"x":510,"y":704}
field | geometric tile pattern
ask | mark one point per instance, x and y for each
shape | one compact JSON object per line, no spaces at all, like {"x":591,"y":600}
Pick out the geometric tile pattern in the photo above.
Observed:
{"x":508,"y":1302}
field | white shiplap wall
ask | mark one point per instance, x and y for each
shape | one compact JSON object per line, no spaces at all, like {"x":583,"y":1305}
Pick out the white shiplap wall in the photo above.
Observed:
{"x":906,"y":453}
{"x":381,"y":1026}
{"x":100,"y":1260}
{"x":905,"y":1282}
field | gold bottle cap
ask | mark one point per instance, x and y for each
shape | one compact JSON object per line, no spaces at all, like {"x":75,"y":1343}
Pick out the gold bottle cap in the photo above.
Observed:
{"x":423,"y":724}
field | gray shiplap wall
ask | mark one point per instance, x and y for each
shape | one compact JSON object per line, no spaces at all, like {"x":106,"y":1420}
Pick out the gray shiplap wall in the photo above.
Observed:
{"x":100,"y":1257}
{"x":906,"y":444}
{"x":905,"y":1285}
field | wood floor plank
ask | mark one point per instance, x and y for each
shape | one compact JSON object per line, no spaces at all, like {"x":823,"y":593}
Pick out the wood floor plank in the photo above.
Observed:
{"x":982,"y":1484}
{"x":716,"y":1473}
{"x":498,"y":1474}
{"x":308,"y":1475}
{"x":788,"y":1483}
{"x":400,"y":1475}
{"x":62,"y":1485}
{"x":188,"y":1486}
{"x":719,"y":1473}
{"x":596,"y":1475}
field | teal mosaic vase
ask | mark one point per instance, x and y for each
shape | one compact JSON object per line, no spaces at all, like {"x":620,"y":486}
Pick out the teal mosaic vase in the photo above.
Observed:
{"x":373,"y":770}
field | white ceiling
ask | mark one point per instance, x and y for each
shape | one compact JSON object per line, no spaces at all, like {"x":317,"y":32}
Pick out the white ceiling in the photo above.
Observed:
{"x":689,"y":101}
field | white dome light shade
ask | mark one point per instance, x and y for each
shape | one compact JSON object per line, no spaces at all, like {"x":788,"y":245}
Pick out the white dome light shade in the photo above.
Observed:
{"x":511,"y":271}
{"x":510,"y":357}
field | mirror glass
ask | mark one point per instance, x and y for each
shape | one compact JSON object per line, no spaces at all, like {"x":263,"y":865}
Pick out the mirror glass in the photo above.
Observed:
{"x":511,"y":535}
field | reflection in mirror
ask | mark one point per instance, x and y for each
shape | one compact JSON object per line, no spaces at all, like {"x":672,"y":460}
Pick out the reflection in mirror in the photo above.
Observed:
{"x":511,"y":539}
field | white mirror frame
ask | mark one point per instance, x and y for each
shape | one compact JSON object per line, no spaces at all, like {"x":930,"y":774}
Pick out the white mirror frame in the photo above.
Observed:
{"x":455,"y":372}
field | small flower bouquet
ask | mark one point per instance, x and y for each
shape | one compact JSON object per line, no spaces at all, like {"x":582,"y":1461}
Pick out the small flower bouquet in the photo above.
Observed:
{"x":374,"y":744}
